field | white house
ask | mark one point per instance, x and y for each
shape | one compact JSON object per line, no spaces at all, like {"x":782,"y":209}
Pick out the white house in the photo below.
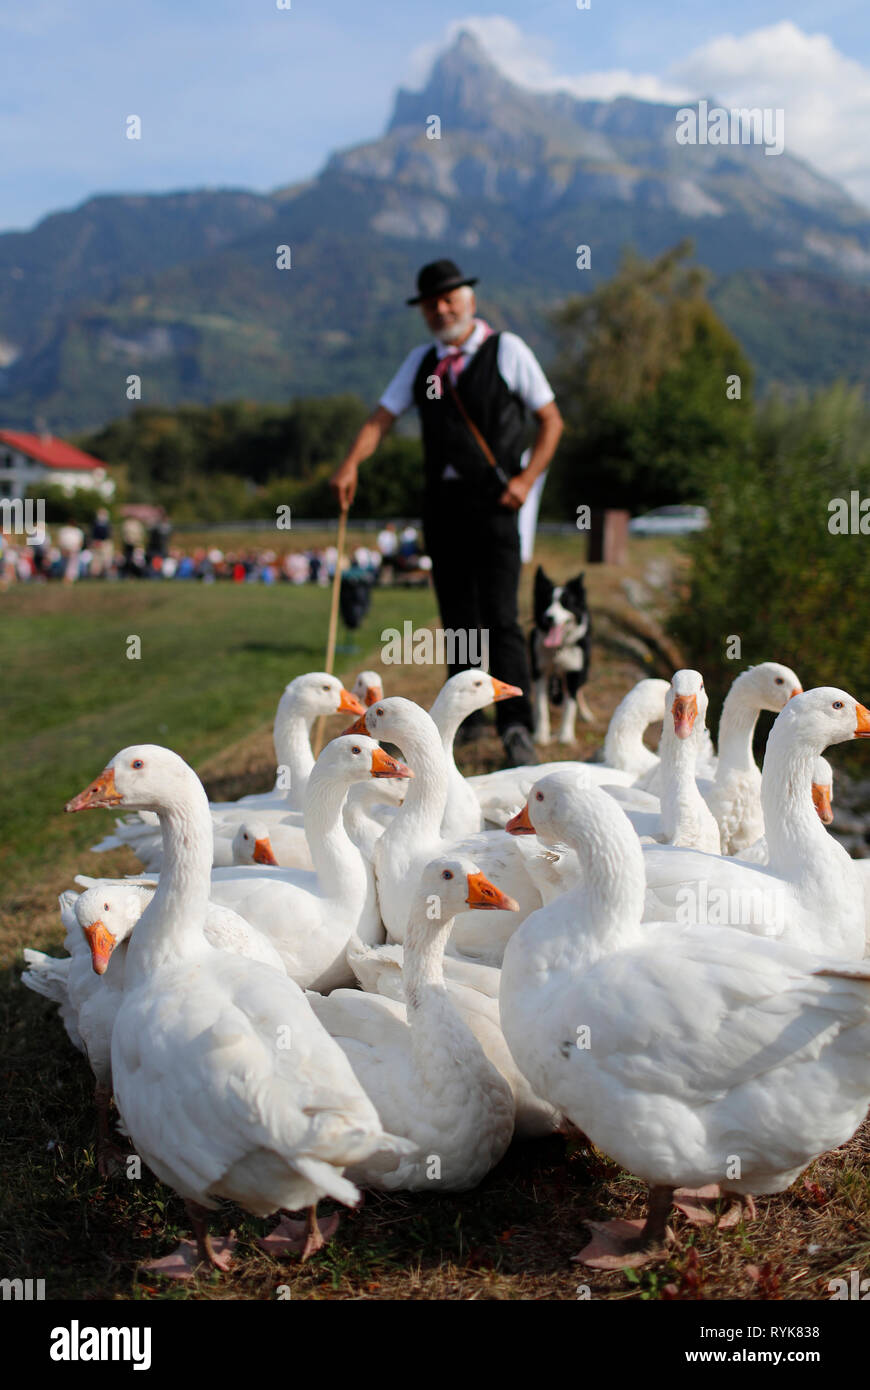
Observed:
{"x":28,"y":460}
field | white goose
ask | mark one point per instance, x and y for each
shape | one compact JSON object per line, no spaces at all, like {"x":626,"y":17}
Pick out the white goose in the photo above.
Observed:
{"x":413,"y":838}
{"x":624,"y":748}
{"x":458,"y":697}
{"x":473,"y":992}
{"x":213,"y":1101}
{"x":421,"y":1065}
{"x":90,"y":980}
{"x":677,"y":1049}
{"x":681,"y":816}
{"x":310,"y":917}
{"x":810,"y":892}
{"x":734,"y":796}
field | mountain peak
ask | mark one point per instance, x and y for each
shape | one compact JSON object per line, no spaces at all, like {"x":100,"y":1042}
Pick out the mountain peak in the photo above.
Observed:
{"x":464,"y":88}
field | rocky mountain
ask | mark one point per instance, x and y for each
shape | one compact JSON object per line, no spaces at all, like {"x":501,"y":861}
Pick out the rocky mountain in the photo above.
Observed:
{"x":184,"y":289}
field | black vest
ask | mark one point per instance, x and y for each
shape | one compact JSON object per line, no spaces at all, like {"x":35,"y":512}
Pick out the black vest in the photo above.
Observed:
{"x":497,"y":411}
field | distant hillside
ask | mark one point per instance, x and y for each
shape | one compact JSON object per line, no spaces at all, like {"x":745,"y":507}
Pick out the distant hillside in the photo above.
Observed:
{"x":183,"y":288}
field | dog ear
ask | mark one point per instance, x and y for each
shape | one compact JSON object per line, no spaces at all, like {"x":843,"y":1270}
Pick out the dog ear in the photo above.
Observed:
{"x":543,"y":585}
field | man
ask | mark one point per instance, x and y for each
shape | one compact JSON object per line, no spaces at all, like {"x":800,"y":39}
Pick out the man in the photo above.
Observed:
{"x":471,"y":388}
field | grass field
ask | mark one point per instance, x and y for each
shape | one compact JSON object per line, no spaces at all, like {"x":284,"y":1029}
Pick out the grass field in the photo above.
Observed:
{"x":214,"y":660}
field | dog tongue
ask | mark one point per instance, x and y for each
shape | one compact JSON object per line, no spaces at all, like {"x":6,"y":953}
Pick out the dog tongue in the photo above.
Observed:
{"x":554,"y":636}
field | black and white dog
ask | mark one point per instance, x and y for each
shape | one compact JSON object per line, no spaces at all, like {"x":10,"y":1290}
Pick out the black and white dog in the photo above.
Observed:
{"x":560,"y":654}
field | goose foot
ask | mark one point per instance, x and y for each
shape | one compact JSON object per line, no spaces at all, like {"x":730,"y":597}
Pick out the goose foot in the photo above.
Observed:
{"x":302,"y":1238}
{"x":110,"y":1159}
{"x":624,"y":1244}
{"x":190,"y":1256}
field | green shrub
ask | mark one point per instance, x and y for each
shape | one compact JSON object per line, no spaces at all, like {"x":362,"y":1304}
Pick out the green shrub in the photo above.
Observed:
{"x":769,"y":570}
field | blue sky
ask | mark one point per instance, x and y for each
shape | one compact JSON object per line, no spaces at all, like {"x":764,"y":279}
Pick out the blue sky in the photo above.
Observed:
{"x":237,"y":93}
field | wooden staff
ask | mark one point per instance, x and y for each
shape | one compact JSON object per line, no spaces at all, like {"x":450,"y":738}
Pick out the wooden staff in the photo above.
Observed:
{"x":333,"y":620}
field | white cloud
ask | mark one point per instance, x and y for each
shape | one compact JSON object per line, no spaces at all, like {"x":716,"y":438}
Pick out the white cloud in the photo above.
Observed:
{"x":824,"y":94}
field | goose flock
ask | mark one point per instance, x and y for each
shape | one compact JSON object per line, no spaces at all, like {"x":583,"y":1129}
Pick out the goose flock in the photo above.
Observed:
{"x":381,"y":973}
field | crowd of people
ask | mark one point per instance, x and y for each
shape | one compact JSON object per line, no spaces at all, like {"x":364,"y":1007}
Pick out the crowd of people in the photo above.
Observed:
{"x":69,"y":553}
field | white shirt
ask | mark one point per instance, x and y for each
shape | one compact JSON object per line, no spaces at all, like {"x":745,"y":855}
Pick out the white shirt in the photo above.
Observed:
{"x":517,"y":364}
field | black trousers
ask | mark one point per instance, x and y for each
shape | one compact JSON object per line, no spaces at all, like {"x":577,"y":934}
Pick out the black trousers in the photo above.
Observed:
{"x":475,"y":553}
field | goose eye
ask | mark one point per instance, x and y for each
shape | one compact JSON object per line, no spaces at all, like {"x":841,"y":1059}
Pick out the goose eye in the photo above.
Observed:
{"x":446,"y":874}
{"x":379,"y":711}
{"x":105,"y":907}
{"x":478,"y":682}
{"x":356,"y":748}
{"x":838,"y":704}
{"x":137,"y":763}
{"x":779,"y":681}
{"x":539,"y":796}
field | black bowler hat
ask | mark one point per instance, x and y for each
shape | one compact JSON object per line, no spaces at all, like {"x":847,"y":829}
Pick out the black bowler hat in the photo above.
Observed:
{"x":439,"y":278}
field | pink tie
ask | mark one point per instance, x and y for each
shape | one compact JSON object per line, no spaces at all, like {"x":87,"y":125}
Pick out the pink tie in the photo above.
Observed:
{"x":453,"y":359}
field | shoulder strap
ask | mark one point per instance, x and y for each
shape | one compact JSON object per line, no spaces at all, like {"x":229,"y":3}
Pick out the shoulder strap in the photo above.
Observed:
{"x":479,"y":439}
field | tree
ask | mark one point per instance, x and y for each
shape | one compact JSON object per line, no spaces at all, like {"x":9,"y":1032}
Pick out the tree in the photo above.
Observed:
{"x":642,"y":378}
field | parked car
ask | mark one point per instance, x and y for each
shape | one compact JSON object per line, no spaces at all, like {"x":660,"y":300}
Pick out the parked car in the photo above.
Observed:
{"x":670,"y":521}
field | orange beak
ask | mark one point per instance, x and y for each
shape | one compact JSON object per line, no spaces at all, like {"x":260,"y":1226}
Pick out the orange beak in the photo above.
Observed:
{"x":102,"y":944}
{"x":373,"y":693}
{"x":101,"y":792}
{"x":685,"y":712}
{"x":263,"y":852}
{"x":798,"y":690}
{"x":502,"y":691}
{"x":359,"y":725}
{"x":520,"y":823}
{"x":862,"y":728}
{"x":349,"y":704}
{"x":822,"y":803}
{"x":483,"y":894}
{"x":385,"y":766}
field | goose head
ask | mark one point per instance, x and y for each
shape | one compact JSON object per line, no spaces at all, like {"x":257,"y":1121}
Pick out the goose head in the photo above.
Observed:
{"x":570,"y":780}
{"x":471,"y":690}
{"x":368,"y":687}
{"x":821,"y":717}
{"x":317,"y":693}
{"x":251,"y":844}
{"x":768,"y":685}
{"x":356,"y":758}
{"x":143,"y":777}
{"x":823,"y":790}
{"x":107,"y":914}
{"x":451,"y":884}
{"x":686,"y":703}
{"x":562,"y":810}
{"x":392,"y":718}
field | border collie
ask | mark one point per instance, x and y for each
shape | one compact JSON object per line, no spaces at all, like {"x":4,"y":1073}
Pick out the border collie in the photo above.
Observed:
{"x":559,"y":646}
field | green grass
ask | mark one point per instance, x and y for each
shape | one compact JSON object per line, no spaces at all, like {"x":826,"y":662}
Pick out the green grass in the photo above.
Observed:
{"x":213,"y":660}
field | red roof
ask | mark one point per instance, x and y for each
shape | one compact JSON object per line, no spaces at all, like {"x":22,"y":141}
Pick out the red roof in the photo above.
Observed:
{"x":54,"y":453}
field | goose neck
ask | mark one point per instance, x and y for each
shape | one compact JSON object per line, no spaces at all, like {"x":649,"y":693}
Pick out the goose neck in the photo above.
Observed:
{"x":292,"y":739}
{"x":423,"y":809}
{"x":336,"y":859}
{"x":172,"y":926}
{"x":795,"y":835}
{"x":736,"y":732}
